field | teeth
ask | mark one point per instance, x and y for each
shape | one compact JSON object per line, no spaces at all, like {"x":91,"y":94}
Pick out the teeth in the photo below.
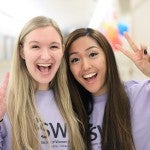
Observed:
{"x":89,"y":75}
{"x":44,"y":65}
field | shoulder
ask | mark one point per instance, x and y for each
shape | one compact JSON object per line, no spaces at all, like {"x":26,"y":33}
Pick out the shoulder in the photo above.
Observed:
{"x":5,"y":133}
{"x":135,"y":85}
{"x":138,"y":90}
{"x":4,"y":126}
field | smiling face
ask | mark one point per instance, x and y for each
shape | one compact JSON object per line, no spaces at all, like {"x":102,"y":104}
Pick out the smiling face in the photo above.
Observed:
{"x":42,"y":52}
{"x":88,"y":64}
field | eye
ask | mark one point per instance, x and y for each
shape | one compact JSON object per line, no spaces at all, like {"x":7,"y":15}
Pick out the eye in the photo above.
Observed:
{"x":35,"y":46}
{"x":93,"y":54}
{"x":54,"y":47}
{"x":74,"y":60}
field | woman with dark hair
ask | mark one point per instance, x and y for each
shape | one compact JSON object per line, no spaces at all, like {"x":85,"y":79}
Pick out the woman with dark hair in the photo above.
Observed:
{"x":119,"y":113}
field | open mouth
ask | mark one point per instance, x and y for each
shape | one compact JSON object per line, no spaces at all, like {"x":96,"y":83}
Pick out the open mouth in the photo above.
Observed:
{"x":90,"y":76}
{"x":44,"y":68}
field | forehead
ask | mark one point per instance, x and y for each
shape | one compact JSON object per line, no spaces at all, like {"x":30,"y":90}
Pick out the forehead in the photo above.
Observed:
{"x":83,"y":43}
{"x":49,"y":33}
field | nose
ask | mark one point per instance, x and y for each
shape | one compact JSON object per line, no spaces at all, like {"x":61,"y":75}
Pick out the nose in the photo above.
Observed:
{"x":86,"y":65}
{"x":45,"y":54}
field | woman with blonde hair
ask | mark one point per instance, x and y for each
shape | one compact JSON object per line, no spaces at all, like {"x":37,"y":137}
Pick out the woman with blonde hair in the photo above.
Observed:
{"x":37,"y":111}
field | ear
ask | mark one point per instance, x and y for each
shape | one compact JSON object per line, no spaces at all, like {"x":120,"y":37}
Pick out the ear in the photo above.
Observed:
{"x":21,"y":52}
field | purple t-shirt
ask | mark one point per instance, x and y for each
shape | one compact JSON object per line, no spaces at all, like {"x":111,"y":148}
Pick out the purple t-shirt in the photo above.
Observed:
{"x":54,"y":124}
{"x":139,"y":94}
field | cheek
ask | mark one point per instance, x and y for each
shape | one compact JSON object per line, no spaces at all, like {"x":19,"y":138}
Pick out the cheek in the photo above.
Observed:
{"x":57,"y":55}
{"x":58,"y":59}
{"x":103,"y":69}
{"x":102,"y":63}
{"x":29,"y":60}
{"x":29,"y":64}
{"x":29,"y":55}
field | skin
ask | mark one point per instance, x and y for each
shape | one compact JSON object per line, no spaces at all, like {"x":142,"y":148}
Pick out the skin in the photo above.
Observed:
{"x":88,"y":65}
{"x":42,"y":53}
{"x":3,"y":89}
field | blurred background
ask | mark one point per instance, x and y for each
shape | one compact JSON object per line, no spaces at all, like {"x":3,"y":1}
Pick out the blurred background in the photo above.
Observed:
{"x":111,"y":17}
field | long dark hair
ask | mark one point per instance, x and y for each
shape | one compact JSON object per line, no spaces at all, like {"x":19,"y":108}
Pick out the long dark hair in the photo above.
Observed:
{"x":116,"y":126}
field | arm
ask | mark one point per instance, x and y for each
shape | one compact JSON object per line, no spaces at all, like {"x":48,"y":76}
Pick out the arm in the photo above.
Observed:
{"x":139,"y":56}
{"x":3,"y":88}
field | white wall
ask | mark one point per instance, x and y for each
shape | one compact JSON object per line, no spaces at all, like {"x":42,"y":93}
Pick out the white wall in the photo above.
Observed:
{"x":139,"y":17}
{"x":139,"y":30}
{"x":141,"y":20}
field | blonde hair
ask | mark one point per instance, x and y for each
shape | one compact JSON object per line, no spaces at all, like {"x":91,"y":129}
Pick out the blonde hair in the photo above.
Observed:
{"x":22,"y":111}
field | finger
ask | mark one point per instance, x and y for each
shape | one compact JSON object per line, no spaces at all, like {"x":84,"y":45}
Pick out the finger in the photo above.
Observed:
{"x":126,"y":52}
{"x":130,"y":41}
{"x":5,"y":82}
{"x":143,"y":46}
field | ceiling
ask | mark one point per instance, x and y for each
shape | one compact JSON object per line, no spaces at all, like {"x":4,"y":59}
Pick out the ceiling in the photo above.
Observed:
{"x":68,"y":14}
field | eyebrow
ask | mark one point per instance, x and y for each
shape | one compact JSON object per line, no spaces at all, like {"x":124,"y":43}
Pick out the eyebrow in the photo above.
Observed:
{"x":56,"y":43}
{"x":39,"y":42}
{"x":33,"y":42}
{"x":90,"y":48}
{"x":85,"y":50}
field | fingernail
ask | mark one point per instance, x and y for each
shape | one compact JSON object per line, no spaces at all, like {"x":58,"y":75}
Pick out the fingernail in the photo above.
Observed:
{"x":145,"y":51}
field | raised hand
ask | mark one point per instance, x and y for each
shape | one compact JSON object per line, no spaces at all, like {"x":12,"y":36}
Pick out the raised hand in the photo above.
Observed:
{"x":3,"y":88}
{"x":139,"y":56}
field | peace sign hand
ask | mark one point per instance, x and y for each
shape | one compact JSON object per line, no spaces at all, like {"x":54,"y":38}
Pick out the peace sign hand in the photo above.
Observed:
{"x":3,"y":88}
{"x":139,"y":56}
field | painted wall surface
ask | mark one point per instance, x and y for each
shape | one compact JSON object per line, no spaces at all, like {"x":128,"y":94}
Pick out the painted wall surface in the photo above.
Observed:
{"x":140,"y":32}
{"x":138,"y":17}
